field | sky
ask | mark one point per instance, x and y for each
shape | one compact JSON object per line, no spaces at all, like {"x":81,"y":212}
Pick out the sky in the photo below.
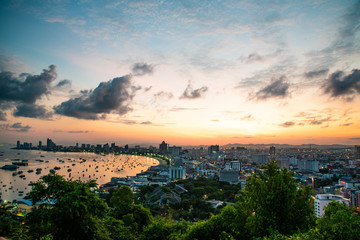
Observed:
{"x":187,"y":72}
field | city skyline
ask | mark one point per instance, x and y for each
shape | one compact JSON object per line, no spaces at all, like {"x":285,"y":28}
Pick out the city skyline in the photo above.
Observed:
{"x":189,"y":73}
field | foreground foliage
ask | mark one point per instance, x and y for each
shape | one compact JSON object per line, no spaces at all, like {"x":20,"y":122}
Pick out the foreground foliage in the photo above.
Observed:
{"x":272,"y":207}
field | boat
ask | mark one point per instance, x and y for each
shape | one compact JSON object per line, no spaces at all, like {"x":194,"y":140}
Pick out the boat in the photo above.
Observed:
{"x":57,"y":168}
{"x":22,"y":176}
{"x":29,"y":171}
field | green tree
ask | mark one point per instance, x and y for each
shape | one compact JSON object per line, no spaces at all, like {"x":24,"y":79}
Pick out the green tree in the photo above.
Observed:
{"x":229,"y":224}
{"x":133,"y":215}
{"x":67,"y":209}
{"x":278,"y":202}
{"x":7,"y":223}
{"x":338,"y":222}
{"x":164,"y":229}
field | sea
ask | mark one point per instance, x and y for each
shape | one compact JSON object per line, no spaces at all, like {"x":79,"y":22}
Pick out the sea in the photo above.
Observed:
{"x":84,"y":166}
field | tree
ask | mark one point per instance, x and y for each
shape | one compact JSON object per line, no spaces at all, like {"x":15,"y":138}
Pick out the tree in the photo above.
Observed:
{"x":278,"y":202}
{"x":229,"y":224}
{"x":133,"y":215}
{"x":338,"y":222}
{"x":66,"y":209}
{"x":164,"y":229}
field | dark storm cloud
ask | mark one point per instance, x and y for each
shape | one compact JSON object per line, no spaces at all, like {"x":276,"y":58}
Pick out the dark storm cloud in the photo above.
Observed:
{"x":276,"y":89}
{"x":26,"y":88}
{"x":316,"y":73}
{"x":17,"y":127}
{"x":32,"y":111}
{"x":191,"y":93}
{"x":63,"y":84}
{"x":340,"y":85}
{"x":140,"y":69}
{"x":287,"y":124}
{"x":112,"y":96}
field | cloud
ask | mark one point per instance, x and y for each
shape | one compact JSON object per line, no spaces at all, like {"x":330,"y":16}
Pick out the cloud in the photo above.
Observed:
{"x":356,"y":138}
{"x":345,"y":42}
{"x":17,"y":127}
{"x":287,"y":124}
{"x":165,"y":95}
{"x":346,"y":124}
{"x":112,"y":96}
{"x":147,"y":89}
{"x":32,"y":88}
{"x":64,"y":84}
{"x":247,"y":117}
{"x":316,"y":73}
{"x":320,"y":121}
{"x":32,"y":111}
{"x":278,"y":88}
{"x":340,"y":85}
{"x":316,"y":117}
{"x":175,"y":109}
{"x":140,"y":69}
{"x":191,"y":93}
{"x":9,"y":63}
{"x":254,"y":57}
{"x":24,"y":90}
{"x":78,"y":131}
{"x":2,"y":116}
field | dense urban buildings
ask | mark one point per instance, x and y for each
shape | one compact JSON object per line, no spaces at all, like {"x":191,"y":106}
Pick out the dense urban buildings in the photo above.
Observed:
{"x":333,"y":173}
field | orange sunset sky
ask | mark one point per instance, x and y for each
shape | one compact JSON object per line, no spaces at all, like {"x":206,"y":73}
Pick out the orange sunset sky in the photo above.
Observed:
{"x":187,"y":72}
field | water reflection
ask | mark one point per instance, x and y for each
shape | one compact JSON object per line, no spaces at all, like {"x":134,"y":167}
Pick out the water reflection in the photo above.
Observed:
{"x":82,"y":166}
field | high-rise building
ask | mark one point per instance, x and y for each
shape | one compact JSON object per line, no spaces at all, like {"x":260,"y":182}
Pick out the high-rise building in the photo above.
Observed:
{"x":40,"y":145}
{"x":50,"y":145}
{"x":272,"y":152}
{"x":357,"y":152}
{"x":18,"y":144}
{"x":163,"y":148}
{"x":260,"y":158}
{"x":174,"y":151}
{"x":308,"y":165}
{"x":213,"y":149}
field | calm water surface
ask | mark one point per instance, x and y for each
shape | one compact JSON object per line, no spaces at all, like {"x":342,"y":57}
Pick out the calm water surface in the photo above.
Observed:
{"x":83,"y":166}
